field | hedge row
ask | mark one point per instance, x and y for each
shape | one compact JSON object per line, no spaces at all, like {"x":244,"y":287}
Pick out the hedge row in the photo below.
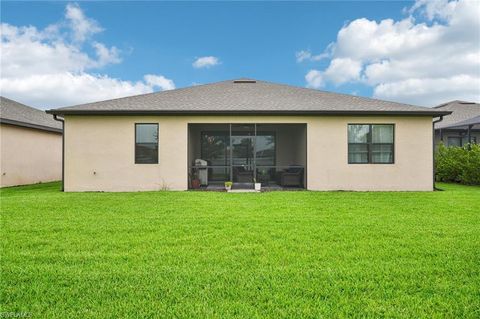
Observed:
{"x":458,"y":164}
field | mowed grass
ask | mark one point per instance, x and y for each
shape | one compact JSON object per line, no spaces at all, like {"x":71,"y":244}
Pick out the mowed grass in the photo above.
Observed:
{"x":218,"y":255}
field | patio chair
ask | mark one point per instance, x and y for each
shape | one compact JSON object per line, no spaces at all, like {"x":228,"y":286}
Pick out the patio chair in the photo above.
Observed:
{"x":243,"y":176}
{"x":292,"y":176}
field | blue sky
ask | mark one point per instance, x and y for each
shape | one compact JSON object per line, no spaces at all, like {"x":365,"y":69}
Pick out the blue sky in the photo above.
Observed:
{"x":253,"y":39}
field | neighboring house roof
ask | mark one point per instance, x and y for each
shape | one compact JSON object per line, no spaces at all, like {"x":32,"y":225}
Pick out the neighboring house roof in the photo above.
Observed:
{"x":246,"y":96}
{"x":475,"y":121}
{"x":462,"y":113}
{"x":14,"y":113}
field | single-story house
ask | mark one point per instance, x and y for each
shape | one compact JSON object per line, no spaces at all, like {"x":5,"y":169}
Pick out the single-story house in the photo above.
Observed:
{"x":460,"y":127}
{"x":244,"y":131}
{"x":31,"y":145}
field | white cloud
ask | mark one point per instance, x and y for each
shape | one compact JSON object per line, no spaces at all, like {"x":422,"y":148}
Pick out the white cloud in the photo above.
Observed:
{"x":306,"y":55}
{"x":441,"y":9}
{"x":205,"y":62}
{"x":26,"y":51}
{"x":159,"y":81}
{"x":339,"y":71}
{"x":434,"y":90}
{"x":315,"y":79}
{"x":81,"y":26}
{"x":57,"y":89}
{"x":106,"y":55}
{"x":409,"y":61}
{"x":51,"y":67}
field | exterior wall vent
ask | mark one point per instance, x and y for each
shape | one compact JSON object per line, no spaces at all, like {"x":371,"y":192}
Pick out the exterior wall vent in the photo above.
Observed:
{"x":244,"y":81}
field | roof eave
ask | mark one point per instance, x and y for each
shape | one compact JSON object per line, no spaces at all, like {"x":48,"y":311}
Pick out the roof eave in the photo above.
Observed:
{"x":243,"y":112}
{"x":458,"y":127}
{"x":30,"y":125}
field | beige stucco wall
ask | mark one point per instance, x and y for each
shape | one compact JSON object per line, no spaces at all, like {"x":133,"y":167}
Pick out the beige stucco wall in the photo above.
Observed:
{"x":99,"y":154}
{"x":29,"y":156}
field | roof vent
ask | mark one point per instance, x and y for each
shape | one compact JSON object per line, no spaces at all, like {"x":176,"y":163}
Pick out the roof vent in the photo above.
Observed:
{"x":244,"y":81}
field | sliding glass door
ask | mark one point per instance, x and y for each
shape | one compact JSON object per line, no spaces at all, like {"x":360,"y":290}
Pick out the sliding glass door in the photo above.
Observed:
{"x":271,"y":154}
{"x":238,"y":151}
{"x":265,"y":155}
{"x":215,"y":150}
{"x":243,"y":164}
{"x":242,"y":141}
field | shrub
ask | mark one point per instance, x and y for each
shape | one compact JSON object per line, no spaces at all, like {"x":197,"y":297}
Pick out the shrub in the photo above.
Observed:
{"x":458,"y":164}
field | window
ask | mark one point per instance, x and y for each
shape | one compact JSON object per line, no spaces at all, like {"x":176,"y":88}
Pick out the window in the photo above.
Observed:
{"x":146,"y":143}
{"x":460,"y":141}
{"x":454,"y":141}
{"x":370,"y":144}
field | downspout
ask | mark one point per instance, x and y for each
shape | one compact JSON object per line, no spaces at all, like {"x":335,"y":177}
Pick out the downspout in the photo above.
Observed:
{"x":56,"y":118}
{"x":433,"y":142}
{"x":469,"y":132}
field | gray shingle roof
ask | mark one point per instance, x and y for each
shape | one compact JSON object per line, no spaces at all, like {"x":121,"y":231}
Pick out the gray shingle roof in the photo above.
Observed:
{"x":475,"y":121}
{"x":12,"y":112}
{"x":462,"y":111}
{"x":245,"y":96}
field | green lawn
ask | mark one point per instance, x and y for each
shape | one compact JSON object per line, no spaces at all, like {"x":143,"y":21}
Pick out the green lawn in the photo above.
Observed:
{"x":277,"y":254}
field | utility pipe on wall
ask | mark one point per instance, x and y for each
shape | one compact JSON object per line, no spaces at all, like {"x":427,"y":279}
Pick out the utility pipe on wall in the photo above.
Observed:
{"x":56,"y":118}
{"x":433,"y":144}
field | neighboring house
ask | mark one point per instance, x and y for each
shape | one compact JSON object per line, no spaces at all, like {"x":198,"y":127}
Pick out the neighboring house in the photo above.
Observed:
{"x":245,"y":130}
{"x":31,"y":145}
{"x":460,"y":127}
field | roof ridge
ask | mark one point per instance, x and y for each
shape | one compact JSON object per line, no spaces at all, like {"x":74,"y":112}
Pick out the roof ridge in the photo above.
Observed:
{"x":455,"y":102}
{"x":344,"y":94}
{"x":254,"y":96}
{"x":468,"y":103}
{"x":144,"y":94}
{"x":242,"y":79}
